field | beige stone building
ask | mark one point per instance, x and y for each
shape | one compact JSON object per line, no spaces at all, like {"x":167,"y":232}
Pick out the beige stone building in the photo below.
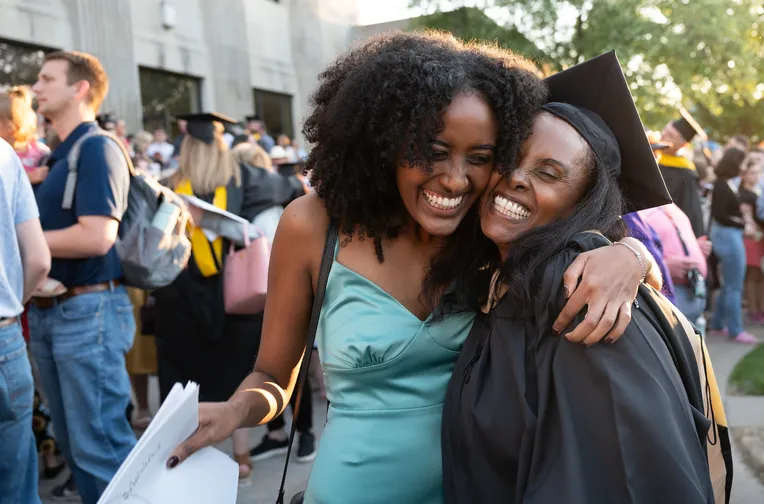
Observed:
{"x":166,"y":57}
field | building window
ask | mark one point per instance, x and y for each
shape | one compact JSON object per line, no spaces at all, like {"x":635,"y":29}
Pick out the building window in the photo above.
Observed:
{"x":20,"y":63}
{"x":275,"y":109}
{"x":165,"y":95}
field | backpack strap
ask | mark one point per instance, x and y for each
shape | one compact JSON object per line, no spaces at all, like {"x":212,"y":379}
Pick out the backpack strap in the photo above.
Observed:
{"x":318,"y":300}
{"x":73,"y":158}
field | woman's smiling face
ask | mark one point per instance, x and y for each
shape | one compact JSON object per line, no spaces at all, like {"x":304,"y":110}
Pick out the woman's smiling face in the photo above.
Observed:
{"x":550,"y":179}
{"x":463,"y":155}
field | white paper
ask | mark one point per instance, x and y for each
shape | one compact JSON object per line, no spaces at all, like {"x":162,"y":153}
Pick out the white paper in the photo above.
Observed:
{"x":208,"y":476}
{"x":207,"y":207}
{"x":217,"y":222}
{"x":222,"y":222}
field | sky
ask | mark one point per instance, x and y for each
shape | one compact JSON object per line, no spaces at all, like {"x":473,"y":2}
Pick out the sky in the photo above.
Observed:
{"x":381,"y":11}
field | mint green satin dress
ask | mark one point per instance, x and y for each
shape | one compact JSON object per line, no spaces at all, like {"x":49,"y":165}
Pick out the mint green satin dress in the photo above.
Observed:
{"x":386,"y":373}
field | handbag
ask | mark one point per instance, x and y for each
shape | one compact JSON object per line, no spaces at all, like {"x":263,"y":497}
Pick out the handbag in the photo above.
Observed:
{"x":245,"y":276}
{"x":318,"y":300}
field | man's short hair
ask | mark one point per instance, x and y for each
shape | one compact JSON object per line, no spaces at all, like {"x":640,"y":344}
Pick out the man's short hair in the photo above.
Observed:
{"x":84,"y":66}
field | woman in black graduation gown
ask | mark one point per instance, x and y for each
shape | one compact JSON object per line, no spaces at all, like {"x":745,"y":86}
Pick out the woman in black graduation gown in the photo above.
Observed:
{"x":529,"y":416}
{"x":196,"y":340}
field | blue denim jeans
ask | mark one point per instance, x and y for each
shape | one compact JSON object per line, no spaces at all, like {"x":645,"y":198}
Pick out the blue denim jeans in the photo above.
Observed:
{"x":729,"y":248}
{"x":18,"y":452}
{"x":79,"y":346}
{"x":691,"y":307}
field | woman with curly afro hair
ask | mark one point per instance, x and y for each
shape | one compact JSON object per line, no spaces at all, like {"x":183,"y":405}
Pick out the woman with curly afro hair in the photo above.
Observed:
{"x":406,"y":131}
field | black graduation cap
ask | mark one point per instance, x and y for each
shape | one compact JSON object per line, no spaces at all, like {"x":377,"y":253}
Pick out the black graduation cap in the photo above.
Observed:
{"x":239,"y":139}
{"x":688,"y":127}
{"x":201,"y":125}
{"x":600,"y":107}
{"x":106,"y":117}
{"x":684,"y":128}
{"x":251,"y":118}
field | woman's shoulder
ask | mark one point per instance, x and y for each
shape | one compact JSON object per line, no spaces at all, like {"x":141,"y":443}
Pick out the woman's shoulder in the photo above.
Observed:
{"x":576,"y":245}
{"x":306,"y":218}
{"x":302,"y":230}
{"x":722,"y":185}
{"x":551,"y":287}
{"x":549,"y":295}
{"x":40,"y":147}
{"x":587,"y":240}
{"x":748,"y":196}
{"x":33,"y":153}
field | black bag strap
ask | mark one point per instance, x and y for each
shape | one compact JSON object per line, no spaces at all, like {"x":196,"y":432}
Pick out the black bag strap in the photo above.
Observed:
{"x":318,"y":300}
{"x":678,"y":232}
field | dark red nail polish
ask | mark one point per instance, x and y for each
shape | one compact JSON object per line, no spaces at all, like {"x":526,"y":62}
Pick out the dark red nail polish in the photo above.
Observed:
{"x":174,"y":460}
{"x":609,"y":340}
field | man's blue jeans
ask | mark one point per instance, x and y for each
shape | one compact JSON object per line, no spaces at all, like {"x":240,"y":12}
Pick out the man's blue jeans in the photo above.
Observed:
{"x":729,"y":248}
{"x":18,"y":452}
{"x":79,"y":346}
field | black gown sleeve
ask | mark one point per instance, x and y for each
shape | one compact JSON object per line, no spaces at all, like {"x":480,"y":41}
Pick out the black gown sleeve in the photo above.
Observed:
{"x":264,"y":189}
{"x":614,"y":424}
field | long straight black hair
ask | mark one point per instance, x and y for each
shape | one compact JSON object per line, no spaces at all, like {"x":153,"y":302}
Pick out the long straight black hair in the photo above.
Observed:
{"x":471,"y":259}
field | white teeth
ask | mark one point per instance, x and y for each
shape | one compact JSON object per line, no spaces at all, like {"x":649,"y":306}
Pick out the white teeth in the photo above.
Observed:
{"x":510,"y":208}
{"x":443,"y":203}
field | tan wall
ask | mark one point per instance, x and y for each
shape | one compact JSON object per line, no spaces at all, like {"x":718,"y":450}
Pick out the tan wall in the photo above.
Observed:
{"x":41,"y":22}
{"x":320,"y":31}
{"x":207,"y":41}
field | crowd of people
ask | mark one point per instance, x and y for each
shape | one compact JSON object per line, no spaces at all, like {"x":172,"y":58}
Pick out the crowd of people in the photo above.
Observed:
{"x":473,"y":336}
{"x":94,"y":341}
{"x":710,"y":238}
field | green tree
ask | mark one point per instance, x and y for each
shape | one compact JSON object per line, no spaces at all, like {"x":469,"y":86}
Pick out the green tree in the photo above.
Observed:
{"x":707,"y":55}
{"x":471,"y":23}
{"x":20,"y":63}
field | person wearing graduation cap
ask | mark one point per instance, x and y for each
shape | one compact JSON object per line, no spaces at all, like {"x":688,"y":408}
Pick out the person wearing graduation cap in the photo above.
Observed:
{"x":256,"y":128}
{"x":679,"y":172}
{"x":531,"y":417}
{"x":196,"y":340}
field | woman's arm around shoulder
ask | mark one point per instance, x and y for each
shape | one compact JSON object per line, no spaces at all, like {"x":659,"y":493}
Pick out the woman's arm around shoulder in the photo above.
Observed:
{"x":604,"y":280}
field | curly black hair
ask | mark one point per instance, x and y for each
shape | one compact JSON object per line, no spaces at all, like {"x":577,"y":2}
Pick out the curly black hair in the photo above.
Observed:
{"x":382,"y":102}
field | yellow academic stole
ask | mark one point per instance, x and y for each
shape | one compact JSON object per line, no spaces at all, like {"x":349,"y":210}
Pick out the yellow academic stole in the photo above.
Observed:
{"x":201,"y":248}
{"x":675,"y":162}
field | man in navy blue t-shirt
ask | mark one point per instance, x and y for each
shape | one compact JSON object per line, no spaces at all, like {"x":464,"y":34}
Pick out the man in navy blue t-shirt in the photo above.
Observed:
{"x":79,"y":339}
